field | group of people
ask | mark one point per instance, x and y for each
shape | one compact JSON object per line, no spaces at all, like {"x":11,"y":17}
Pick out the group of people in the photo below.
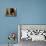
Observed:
{"x":10,"y":12}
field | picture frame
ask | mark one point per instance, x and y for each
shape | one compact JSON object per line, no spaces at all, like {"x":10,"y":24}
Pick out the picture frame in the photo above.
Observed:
{"x":10,"y":12}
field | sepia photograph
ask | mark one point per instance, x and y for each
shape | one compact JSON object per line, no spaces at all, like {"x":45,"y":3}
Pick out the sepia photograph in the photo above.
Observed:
{"x":10,"y":11}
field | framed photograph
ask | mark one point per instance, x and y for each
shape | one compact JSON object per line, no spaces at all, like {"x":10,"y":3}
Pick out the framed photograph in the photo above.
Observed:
{"x":10,"y":11}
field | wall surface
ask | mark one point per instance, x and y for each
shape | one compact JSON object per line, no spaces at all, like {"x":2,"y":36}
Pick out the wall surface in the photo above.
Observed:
{"x":28,"y":12}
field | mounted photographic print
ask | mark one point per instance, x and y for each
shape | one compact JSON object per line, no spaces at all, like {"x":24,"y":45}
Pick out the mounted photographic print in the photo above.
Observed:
{"x":32,"y":32}
{"x":10,"y":11}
